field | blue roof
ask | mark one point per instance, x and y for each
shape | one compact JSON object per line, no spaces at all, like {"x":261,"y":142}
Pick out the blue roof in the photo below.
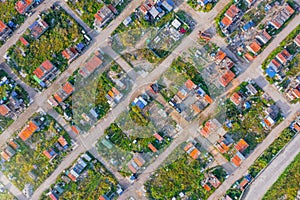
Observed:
{"x":80,"y":46}
{"x":170,"y":2}
{"x":271,"y":72}
{"x":140,"y":104}
{"x":33,"y":25}
{"x":248,"y":25}
{"x":247,"y":105}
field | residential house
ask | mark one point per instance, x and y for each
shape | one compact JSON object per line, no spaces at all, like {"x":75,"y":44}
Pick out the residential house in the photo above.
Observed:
{"x":158,"y":137}
{"x":236,"y":98}
{"x":250,"y":2}
{"x":22,"y":6}
{"x":28,"y":130}
{"x":226,"y":63}
{"x":237,"y":159}
{"x":248,"y":57}
{"x":24,"y":41}
{"x":293,"y":93}
{"x":241,"y":146}
{"x":140,"y":102}
{"x":233,"y":12}
{"x":251,"y":89}
{"x":254,"y":47}
{"x":273,"y":111}
{"x":190,"y":85}
{"x":204,"y":36}
{"x":46,"y":71}
{"x":153,"y":12}
{"x":219,"y":57}
{"x":5,"y":31}
{"x":284,"y":56}
{"x":268,"y":122}
{"x":263,"y":37}
{"x":91,"y":65}
{"x":4,"y":110}
{"x":152,"y":148}
{"x":282,"y":16}
{"x":275,"y":65}
{"x":226,"y":78}
{"x":38,"y":28}
{"x":103,"y":16}
{"x":127,"y":21}
{"x":226,"y":22}
{"x":248,"y":25}
{"x":192,"y":151}
{"x":70,"y":54}
{"x":297,"y":40}
{"x":62,"y":141}
{"x":168,"y":5}
{"x":210,"y":126}
{"x":64,"y":92}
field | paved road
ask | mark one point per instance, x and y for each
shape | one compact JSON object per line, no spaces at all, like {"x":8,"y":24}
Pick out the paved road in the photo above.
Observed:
{"x":11,"y":188}
{"x":268,"y":177}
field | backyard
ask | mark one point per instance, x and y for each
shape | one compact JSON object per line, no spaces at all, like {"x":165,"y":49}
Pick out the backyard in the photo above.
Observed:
{"x":182,"y":174}
{"x":86,"y":10}
{"x":63,"y":32}
{"x":94,"y":181}
{"x":29,"y":165}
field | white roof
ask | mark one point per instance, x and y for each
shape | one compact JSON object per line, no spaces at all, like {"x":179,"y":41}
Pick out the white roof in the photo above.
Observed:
{"x":154,"y":12}
{"x":176,"y":23}
{"x":127,"y":21}
{"x":167,"y":6}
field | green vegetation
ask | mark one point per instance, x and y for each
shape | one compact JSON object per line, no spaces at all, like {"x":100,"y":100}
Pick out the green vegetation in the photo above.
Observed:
{"x":271,"y":152}
{"x":63,"y":32}
{"x":6,"y":195}
{"x":182,"y":175}
{"x":125,"y":142}
{"x":287,"y":185}
{"x":137,"y":116}
{"x":94,"y":182}
{"x":86,"y":9}
{"x":8,"y":12}
{"x":30,"y":157}
{"x":189,"y":71}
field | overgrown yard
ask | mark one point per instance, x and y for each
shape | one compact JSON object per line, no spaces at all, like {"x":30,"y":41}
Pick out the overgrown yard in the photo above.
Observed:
{"x":287,"y":185}
{"x":94,"y":181}
{"x":30,"y":165}
{"x":86,"y":9}
{"x":8,"y":12}
{"x":63,"y":32}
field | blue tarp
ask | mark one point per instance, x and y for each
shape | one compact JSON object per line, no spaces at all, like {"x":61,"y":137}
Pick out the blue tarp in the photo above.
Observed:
{"x":271,"y":72}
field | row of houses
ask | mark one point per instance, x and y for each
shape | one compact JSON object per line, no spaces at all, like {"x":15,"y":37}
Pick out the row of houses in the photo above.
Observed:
{"x":105,"y":15}
{"x":21,"y":6}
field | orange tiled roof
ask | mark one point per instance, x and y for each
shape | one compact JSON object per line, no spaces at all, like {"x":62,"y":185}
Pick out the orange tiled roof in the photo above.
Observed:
{"x":248,"y":57}
{"x":13,"y":144}
{"x":226,"y":78}
{"x":236,"y":98}
{"x":296,"y":127}
{"x":4,"y":110}
{"x":47,"y":65}
{"x":188,"y":146}
{"x":138,"y":161}
{"x":152,"y":148}
{"x":66,"y":54}
{"x":75,"y":129}
{"x":226,"y":21}
{"x":68,"y":88}
{"x":57,"y":98}
{"x":242,"y":145}
{"x":236,"y":160}
{"x":232,"y":11}
{"x":131,"y":168}
{"x":2,"y":26}
{"x":255,"y":47}
{"x":93,"y":63}
{"x":296,"y":40}
{"x":206,"y":187}
{"x":208,"y":99}
{"x":62,"y":141}
{"x":24,"y":41}
{"x":195,"y":153}
{"x":190,"y":84}
{"x":28,"y":131}
{"x":5,"y":155}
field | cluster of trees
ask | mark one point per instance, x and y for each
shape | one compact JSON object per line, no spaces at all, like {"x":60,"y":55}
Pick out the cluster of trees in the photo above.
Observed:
{"x":271,"y":151}
{"x":28,"y":159}
{"x":8,"y":12}
{"x":97,"y":182}
{"x":87,"y":9}
{"x":137,"y":116}
{"x":182,"y":175}
{"x":190,"y":72}
{"x":64,"y":32}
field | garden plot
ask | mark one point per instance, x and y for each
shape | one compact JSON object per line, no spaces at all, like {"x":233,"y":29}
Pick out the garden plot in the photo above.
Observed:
{"x":37,"y":56}
{"x":35,"y":153}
